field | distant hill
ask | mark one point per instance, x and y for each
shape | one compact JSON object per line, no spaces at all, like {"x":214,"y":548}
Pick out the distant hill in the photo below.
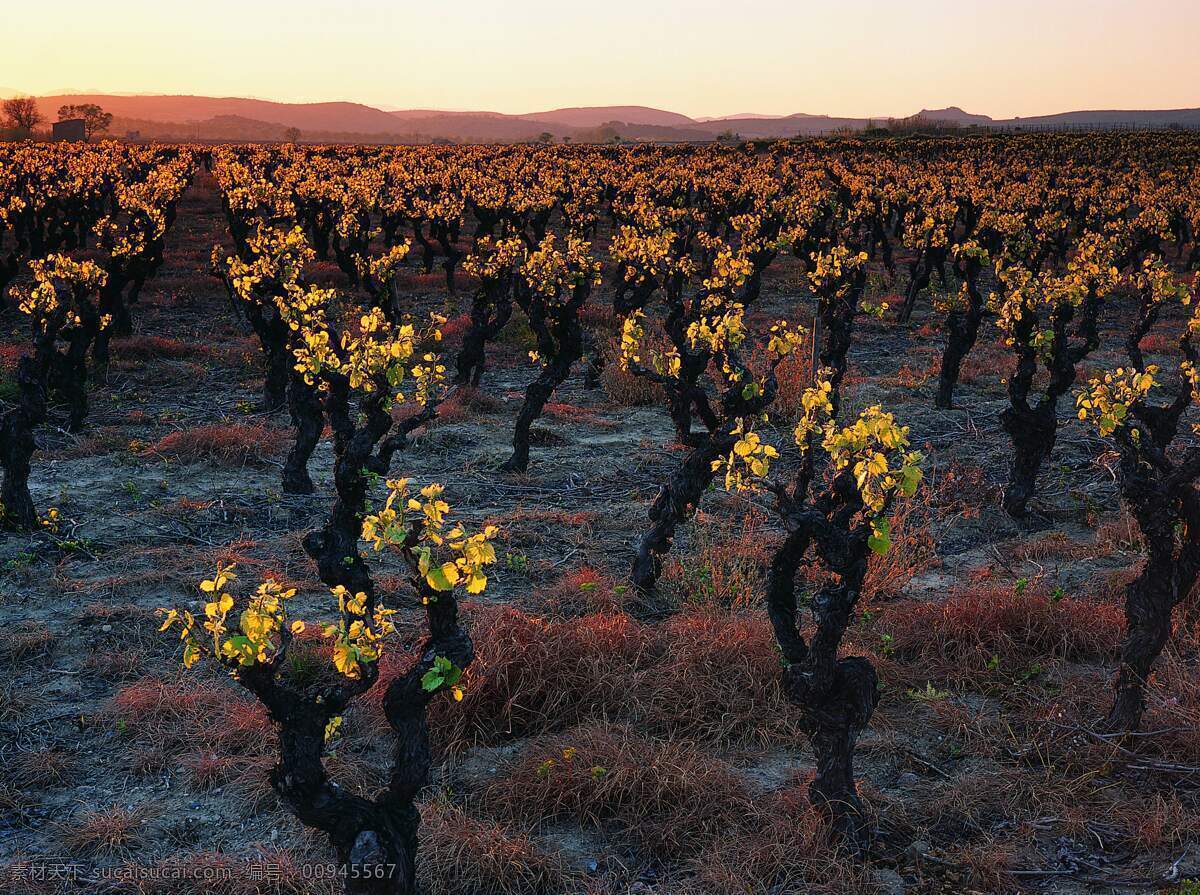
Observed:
{"x":1111,"y":117}
{"x":955,"y":114}
{"x":595,"y":116}
{"x":755,"y":115}
{"x":242,"y":118}
{"x":345,"y":117}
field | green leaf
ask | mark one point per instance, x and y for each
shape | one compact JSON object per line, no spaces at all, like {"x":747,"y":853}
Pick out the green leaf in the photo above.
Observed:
{"x":880,"y":540}
{"x":444,"y":673}
{"x":431,"y":680}
{"x":437,"y":579}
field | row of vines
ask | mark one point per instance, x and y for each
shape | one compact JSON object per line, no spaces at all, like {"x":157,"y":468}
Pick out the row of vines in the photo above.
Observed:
{"x":1041,"y":244}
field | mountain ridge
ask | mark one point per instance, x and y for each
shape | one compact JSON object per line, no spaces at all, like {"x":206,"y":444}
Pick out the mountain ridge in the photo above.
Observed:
{"x":163,"y":116}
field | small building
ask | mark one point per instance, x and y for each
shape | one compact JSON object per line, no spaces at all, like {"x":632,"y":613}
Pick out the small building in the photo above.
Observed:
{"x":73,"y":130}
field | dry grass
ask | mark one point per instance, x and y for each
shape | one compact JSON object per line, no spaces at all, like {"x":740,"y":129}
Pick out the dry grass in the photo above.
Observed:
{"x":100,"y":441}
{"x":718,"y":680}
{"x":988,"y":361}
{"x":1119,"y":533}
{"x":784,"y":847}
{"x":461,"y":853}
{"x":532,"y":675}
{"x":1051,"y":546}
{"x":912,"y":551}
{"x":701,"y":674}
{"x":992,"y":632}
{"x":725,"y":566}
{"x":571,"y":413}
{"x":669,"y":799}
{"x":107,"y":831}
{"x":26,"y":644}
{"x":178,"y":716}
{"x":233,"y":444}
{"x":143,"y":348}
{"x":581,"y":591}
{"x":42,"y":768}
{"x":456,"y":326}
{"x":912,"y":376}
{"x":600,"y":316}
{"x":463,"y":403}
{"x":622,"y":387}
{"x":793,"y":376}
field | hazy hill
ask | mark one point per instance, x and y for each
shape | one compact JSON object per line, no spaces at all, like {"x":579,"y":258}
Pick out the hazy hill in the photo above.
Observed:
{"x":595,"y":116}
{"x":346,"y":117}
{"x":240,"y":118}
{"x":955,"y":114}
{"x":1141,"y":118}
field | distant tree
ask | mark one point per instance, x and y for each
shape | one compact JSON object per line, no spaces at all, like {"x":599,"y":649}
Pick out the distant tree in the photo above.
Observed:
{"x":545,"y":137}
{"x":95,"y":120}
{"x":292,"y":135}
{"x":21,"y":112}
{"x":729,"y":136}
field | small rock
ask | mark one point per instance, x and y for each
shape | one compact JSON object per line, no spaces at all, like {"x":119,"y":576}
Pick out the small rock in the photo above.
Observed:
{"x":889,"y":881}
{"x":106,"y":628}
{"x":908,"y":779}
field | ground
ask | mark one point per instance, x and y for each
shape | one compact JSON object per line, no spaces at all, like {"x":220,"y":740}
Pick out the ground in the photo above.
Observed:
{"x":605,"y":744}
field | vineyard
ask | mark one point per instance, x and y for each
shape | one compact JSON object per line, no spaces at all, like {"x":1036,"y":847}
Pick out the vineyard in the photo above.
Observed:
{"x":807,"y":517}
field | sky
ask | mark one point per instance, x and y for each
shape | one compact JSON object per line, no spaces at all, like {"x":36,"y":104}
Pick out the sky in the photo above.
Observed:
{"x":699,"y":57}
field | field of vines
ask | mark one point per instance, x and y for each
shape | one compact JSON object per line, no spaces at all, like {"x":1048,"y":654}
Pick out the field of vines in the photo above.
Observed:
{"x":812,"y":517}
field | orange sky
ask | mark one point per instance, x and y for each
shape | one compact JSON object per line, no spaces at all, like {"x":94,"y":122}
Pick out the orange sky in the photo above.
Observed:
{"x":699,"y":57}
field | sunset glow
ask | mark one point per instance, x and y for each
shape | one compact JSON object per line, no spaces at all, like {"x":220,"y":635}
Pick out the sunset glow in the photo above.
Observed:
{"x":698,"y":57}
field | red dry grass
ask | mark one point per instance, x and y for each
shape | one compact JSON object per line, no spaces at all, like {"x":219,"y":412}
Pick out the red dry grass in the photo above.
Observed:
{"x":571,"y":413}
{"x":959,"y":490}
{"x":912,"y":551}
{"x":993,"y":632}
{"x":784,"y":848}
{"x":669,"y":799}
{"x":1051,"y":546}
{"x":151,"y":347}
{"x":206,"y":770}
{"x":725,"y":566}
{"x":461,"y":853}
{"x":106,"y":831}
{"x":988,"y":361}
{"x":600,"y":316}
{"x":180,"y":716}
{"x":793,"y":375}
{"x":581,"y":591}
{"x":10,"y":354}
{"x":1160,"y":343}
{"x":464,"y":402}
{"x":236,"y":443}
{"x":533,"y":675}
{"x":456,"y":326}
{"x":622,"y":387}
{"x":718,"y":680}
{"x":705,"y":675}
